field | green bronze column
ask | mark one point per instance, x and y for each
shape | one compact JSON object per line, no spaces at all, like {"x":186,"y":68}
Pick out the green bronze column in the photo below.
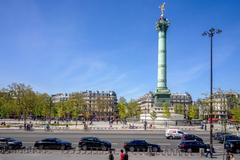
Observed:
{"x":162,"y":94}
{"x":161,"y":27}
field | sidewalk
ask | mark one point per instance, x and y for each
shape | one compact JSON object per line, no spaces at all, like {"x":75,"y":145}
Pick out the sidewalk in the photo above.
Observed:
{"x":39,"y":125}
{"x":103,"y":156}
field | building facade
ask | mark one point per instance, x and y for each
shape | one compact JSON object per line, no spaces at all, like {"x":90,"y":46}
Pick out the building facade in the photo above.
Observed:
{"x":222,"y":103}
{"x":183,"y":99}
{"x":101,"y":104}
{"x":146,"y":102}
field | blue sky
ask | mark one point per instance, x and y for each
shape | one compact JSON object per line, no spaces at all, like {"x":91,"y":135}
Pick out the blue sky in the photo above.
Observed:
{"x":75,"y":45}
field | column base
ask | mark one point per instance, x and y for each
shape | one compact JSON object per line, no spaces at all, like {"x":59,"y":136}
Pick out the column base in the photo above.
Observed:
{"x":162,"y":96}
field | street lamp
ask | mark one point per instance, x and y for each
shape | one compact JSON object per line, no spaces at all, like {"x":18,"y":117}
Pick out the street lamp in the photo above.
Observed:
{"x":210,"y":33}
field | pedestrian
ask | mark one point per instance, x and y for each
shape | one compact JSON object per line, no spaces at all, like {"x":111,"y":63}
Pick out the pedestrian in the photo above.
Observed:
{"x":205,"y":127}
{"x":209,"y":151}
{"x":228,"y":156}
{"x":121,"y":155}
{"x":111,"y":157}
{"x":232,"y":157}
{"x":126,"y":155}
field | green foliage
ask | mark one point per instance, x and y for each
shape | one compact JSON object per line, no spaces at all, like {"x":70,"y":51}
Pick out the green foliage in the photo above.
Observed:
{"x":193,"y":112}
{"x":166,"y":112}
{"x":235,"y":111}
{"x":128,"y":109}
{"x":122,"y":110}
{"x":153,"y":115}
{"x":133,"y":109}
{"x":78,"y":104}
{"x":236,"y":114}
{"x":179,"y":109}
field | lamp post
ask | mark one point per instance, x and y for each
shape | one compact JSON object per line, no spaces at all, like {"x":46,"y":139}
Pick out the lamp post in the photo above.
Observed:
{"x":145,"y":121}
{"x":210,"y":33}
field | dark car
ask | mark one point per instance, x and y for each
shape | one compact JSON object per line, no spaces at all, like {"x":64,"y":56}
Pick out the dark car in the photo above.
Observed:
{"x":192,"y":146}
{"x":219,"y":135}
{"x":11,"y":143}
{"x":186,"y":137}
{"x":228,"y":137}
{"x":232,"y":146}
{"x":53,"y":143}
{"x":93,"y":143}
{"x":141,"y":145}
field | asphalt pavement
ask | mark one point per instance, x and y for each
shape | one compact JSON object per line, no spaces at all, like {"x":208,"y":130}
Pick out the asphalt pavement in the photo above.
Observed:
{"x":117,"y":138}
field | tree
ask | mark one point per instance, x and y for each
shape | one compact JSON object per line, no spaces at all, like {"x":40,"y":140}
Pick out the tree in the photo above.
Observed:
{"x":166,"y":112}
{"x":179,"y":109}
{"x":59,"y":108}
{"x":42,"y":105}
{"x":77,"y":101}
{"x":235,"y":111}
{"x":193,"y":112}
{"x":122,"y":110}
{"x":153,"y":115}
{"x":236,"y":114}
{"x":23,"y":95}
{"x":133,"y":109}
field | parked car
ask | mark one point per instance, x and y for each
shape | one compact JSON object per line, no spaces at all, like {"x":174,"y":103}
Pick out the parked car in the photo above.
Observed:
{"x":232,"y":146}
{"x":218,"y":135}
{"x":53,"y":143}
{"x":174,"y":134}
{"x":228,"y":137}
{"x":192,"y":146}
{"x":94,"y":143}
{"x":191,"y":137}
{"x":141,"y":145}
{"x":3,"y":146}
{"x":11,"y":143}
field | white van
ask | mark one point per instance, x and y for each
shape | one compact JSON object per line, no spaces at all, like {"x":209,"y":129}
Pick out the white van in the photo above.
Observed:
{"x":174,"y":134}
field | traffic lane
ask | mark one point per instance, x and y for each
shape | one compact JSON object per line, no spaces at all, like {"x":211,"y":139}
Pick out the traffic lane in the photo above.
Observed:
{"x":118,"y":143}
{"x":117,"y":140}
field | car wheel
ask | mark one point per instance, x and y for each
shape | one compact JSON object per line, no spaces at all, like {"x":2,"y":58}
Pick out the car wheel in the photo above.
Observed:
{"x":154,"y":149}
{"x":171,"y":137}
{"x":237,"y":151}
{"x":84,"y":147}
{"x":189,"y":150}
{"x":10,"y":147}
{"x":131,"y":149}
{"x":104,"y":148}
{"x":62,"y":147}
{"x":40,"y":147}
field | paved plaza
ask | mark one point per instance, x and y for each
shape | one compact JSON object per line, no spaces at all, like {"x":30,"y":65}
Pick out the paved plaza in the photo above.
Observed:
{"x":69,"y":155}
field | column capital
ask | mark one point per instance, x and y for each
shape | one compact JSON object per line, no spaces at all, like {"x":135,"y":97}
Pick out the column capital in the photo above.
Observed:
{"x":162,"y":24}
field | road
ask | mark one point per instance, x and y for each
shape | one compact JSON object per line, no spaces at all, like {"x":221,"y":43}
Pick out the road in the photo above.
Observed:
{"x":116,"y":137}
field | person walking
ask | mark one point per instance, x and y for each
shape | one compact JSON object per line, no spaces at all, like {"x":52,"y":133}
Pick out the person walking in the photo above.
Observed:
{"x":126,"y":155}
{"x":121,"y":155}
{"x":111,"y":157}
{"x":228,"y":156}
{"x":209,"y":151}
{"x":232,"y":157}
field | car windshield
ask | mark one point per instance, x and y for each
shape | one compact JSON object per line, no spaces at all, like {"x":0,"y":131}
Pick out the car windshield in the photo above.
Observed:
{"x":96,"y":139}
{"x":53,"y":140}
{"x":10,"y":139}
